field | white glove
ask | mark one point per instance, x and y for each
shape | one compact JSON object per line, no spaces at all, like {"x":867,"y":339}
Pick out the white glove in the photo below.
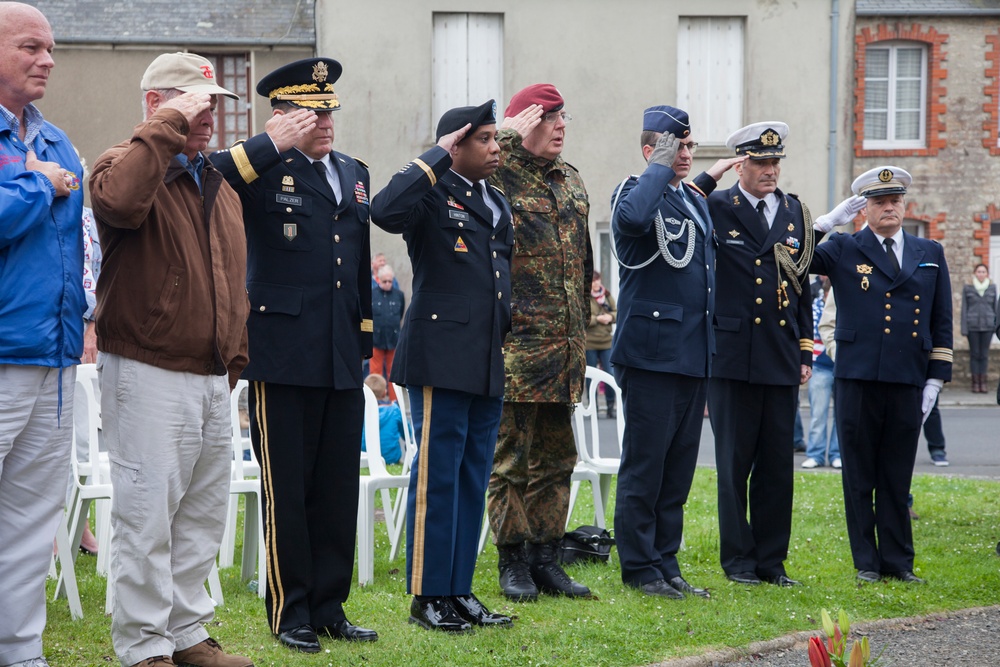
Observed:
{"x":931,"y":390}
{"x":841,"y":215}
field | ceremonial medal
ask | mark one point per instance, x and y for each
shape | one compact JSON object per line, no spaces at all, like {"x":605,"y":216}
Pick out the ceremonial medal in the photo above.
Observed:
{"x":791,"y":227}
{"x":864,"y":283}
{"x":287,"y":184}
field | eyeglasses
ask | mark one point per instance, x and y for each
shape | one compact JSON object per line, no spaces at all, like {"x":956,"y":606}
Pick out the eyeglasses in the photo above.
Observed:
{"x":692,"y":147}
{"x":552,"y":116}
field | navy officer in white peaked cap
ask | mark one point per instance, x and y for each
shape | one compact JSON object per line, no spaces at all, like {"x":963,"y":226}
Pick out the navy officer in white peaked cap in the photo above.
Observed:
{"x":763,"y":333}
{"x":894,"y":353}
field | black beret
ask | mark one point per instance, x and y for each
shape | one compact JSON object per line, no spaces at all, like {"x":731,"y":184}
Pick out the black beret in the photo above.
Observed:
{"x":457,"y":118}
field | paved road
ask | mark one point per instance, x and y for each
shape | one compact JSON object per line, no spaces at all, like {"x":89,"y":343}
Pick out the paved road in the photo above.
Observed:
{"x":971,"y":428}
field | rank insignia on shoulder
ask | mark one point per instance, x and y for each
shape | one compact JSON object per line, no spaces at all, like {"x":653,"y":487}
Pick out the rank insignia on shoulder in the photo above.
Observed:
{"x":360,"y":194}
{"x":454,"y":204}
{"x":733,"y":233}
{"x":460,"y":245}
{"x":736,"y":200}
{"x":864,"y":268}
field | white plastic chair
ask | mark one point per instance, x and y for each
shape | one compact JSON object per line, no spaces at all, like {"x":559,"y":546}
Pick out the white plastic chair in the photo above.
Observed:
{"x":245,"y":481}
{"x":588,"y":441}
{"x":399,"y":505}
{"x":377,"y":479}
{"x":92,"y":482}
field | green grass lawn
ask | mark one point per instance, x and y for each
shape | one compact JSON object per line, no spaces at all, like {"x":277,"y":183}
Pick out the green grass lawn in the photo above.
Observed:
{"x":955,"y":541}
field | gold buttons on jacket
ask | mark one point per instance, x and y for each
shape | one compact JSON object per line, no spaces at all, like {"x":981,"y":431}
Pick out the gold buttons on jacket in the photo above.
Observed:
{"x":338,"y":284}
{"x":781,"y":323}
{"x":338,"y":261}
{"x":499,"y":295}
{"x":916,"y":297}
{"x":916,"y":322}
{"x":656,"y":313}
{"x":888,"y":295}
{"x":759,"y":301}
{"x":888,"y":306}
{"x":759,"y":281}
{"x":461,"y":224}
{"x":494,"y":254}
{"x":336,"y":238}
{"x":288,"y":209}
{"x":497,"y":274}
{"x":263,"y":308}
{"x":916,"y":311}
{"x":434,"y":316}
{"x":757,"y":262}
{"x":914,"y":334}
{"x":887,"y":330}
{"x":756,"y":320}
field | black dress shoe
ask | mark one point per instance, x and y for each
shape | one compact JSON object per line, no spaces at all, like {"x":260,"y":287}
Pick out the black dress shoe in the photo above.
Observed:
{"x":347,"y":631}
{"x":906,"y":577}
{"x":679,"y":584}
{"x":748,"y":578}
{"x":437,"y":613}
{"x":869,"y":576}
{"x":780,"y":580}
{"x":302,"y":638}
{"x":661,"y":588}
{"x":475,"y":612}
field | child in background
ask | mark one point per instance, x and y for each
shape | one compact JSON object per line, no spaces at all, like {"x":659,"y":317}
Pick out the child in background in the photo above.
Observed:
{"x":390,"y":421}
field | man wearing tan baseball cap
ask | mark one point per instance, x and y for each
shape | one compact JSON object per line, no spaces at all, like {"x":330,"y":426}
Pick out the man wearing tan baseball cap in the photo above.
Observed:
{"x":171,"y":328}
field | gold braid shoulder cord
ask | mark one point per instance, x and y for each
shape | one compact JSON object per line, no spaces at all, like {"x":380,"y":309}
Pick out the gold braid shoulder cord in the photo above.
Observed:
{"x":794,"y":270}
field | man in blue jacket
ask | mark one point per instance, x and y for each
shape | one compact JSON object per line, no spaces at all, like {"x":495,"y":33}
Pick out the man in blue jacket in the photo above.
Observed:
{"x":41,"y":326}
{"x":894,"y":353}
{"x":663,"y":347}
{"x":459,"y":236}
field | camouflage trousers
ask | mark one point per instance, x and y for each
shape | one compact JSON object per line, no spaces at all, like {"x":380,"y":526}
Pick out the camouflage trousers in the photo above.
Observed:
{"x":532,"y":466}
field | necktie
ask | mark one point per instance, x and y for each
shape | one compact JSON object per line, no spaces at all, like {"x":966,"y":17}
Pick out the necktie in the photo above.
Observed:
{"x":763,"y":217}
{"x":322,"y":172}
{"x":892,"y":256}
{"x":690,"y":208}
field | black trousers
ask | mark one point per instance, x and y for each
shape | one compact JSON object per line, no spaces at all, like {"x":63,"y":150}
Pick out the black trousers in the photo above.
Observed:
{"x":753,"y":426}
{"x":663,"y":419}
{"x":879,"y":427}
{"x":308,"y":442}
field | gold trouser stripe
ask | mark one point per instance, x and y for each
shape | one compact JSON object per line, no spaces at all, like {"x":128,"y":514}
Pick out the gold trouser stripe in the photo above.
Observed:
{"x":243,"y":163}
{"x":420,"y":507}
{"x":427,"y":170}
{"x":273,"y":569}
{"x":943,"y":354}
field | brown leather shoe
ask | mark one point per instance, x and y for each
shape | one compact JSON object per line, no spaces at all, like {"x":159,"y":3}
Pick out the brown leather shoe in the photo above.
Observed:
{"x":209,"y":654}
{"x":156,"y":661}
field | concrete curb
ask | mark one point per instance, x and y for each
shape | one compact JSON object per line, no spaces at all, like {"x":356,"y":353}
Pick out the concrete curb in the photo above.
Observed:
{"x":798,"y":640}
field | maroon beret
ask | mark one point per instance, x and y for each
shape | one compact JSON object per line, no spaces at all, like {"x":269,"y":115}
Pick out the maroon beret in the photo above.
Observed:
{"x":539,"y":93}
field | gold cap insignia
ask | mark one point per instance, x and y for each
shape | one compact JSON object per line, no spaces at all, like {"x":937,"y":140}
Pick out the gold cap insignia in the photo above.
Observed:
{"x":287,"y":180}
{"x":770,"y":138}
{"x":885,"y":175}
{"x":320,"y":72}
{"x":864,"y":268}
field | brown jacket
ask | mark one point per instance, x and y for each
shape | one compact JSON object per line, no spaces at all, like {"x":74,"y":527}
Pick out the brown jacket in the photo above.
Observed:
{"x":172,"y":291}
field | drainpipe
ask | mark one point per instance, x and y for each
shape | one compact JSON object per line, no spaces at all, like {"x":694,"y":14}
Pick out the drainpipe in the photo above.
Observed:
{"x":831,"y":182}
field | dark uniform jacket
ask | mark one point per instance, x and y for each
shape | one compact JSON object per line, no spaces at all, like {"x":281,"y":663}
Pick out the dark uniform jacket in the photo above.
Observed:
{"x":387,"y":317}
{"x":889,"y":330}
{"x":664,"y":313}
{"x":308,"y":268}
{"x":763,"y":329}
{"x":459,"y":315}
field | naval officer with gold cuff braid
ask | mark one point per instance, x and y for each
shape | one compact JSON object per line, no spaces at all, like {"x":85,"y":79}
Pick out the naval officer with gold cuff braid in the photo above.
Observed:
{"x":305,"y":210}
{"x":894,"y":353}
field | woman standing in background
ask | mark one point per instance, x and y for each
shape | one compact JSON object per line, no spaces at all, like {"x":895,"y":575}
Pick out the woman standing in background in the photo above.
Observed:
{"x":979,"y":306}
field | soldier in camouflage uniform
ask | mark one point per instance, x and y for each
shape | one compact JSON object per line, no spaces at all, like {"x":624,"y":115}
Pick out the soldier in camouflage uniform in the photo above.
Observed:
{"x":545,"y":352}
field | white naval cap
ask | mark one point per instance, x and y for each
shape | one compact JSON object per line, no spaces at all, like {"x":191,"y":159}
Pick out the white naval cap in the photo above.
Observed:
{"x":759,"y":141}
{"x":886,"y":180}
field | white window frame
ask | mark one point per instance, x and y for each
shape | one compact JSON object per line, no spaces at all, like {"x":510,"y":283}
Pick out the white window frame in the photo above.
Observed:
{"x":915,"y":227}
{"x":890,"y":143}
{"x":711,"y":79}
{"x":466,"y":61}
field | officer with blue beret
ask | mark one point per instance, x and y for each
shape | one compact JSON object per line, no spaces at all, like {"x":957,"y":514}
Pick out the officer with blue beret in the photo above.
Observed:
{"x":305,"y":210}
{"x":894,"y":353}
{"x":662,"y":350}
{"x":763,"y":333}
{"x":459,"y":237}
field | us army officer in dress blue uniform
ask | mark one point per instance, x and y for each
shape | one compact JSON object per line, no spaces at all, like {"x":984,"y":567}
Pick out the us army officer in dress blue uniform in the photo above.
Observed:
{"x":894,"y":353}
{"x":662,"y":349}
{"x":305,"y":207}
{"x":763,"y":334}
{"x":459,"y":237}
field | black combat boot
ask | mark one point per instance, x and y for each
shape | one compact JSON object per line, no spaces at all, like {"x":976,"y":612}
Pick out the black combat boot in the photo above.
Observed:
{"x":611,"y":410}
{"x":548,"y":575}
{"x":515,"y":574}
